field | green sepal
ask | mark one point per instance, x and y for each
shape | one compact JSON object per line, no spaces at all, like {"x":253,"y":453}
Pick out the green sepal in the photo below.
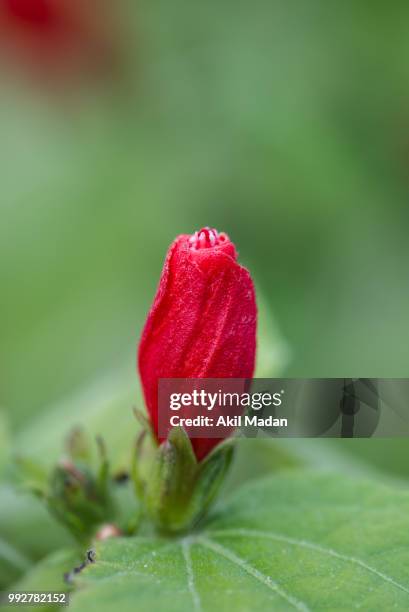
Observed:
{"x":78,"y":446}
{"x":79,"y":498}
{"x":175,"y":489}
{"x":171,"y":482}
{"x":211,"y":474}
{"x":143,"y":457}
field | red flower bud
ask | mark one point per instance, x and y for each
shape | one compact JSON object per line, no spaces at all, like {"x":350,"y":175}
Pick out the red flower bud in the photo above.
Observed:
{"x":202,"y":323}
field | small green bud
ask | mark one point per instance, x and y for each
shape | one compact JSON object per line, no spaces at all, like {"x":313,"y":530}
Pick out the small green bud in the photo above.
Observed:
{"x":77,"y":494}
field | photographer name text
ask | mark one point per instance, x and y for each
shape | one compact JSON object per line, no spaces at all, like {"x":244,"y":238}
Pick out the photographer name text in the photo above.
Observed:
{"x":227,"y":421}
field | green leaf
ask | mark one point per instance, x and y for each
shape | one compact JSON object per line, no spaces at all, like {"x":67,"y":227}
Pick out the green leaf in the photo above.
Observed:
{"x":48,"y":575}
{"x":257,"y":457}
{"x":293,"y":542}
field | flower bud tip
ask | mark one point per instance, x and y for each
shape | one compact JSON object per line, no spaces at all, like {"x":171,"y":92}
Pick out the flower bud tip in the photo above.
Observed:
{"x":206,"y":238}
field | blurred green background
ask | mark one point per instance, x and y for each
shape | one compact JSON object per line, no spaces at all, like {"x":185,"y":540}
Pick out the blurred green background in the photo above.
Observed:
{"x":284,"y":124}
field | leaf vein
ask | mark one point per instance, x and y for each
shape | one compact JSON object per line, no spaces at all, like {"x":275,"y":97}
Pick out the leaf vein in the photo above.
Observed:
{"x":252,"y":571}
{"x":311,"y":546}
{"x":185,"y":544}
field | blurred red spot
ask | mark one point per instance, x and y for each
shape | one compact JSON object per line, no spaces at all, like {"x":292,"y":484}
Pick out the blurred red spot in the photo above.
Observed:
{"x":34,"y":13}
{"x":60,"y":41}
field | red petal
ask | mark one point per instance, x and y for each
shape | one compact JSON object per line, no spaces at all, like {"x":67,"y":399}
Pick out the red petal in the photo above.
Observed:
{"x":202,"y":323}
